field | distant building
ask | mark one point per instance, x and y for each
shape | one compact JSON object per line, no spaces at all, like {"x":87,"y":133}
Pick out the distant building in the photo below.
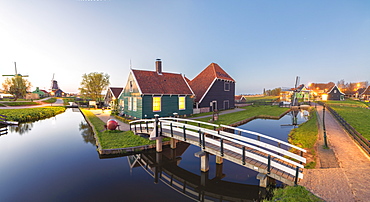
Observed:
{"x":41,"y":93}
{"x":365,"y":94}
{"x":112,"y":95}
{"x":326,"y":91}
{"x":214,"y":89}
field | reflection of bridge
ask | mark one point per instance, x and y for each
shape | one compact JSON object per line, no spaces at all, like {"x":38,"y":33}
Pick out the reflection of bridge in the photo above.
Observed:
{"x":270,"y":160}
{"x":163,"y":166}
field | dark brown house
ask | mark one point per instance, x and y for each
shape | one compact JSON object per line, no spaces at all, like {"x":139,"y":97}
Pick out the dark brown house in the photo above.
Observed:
{"x":214,"y":89}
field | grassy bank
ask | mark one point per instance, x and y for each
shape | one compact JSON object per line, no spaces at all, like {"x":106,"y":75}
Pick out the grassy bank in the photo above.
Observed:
{"x":355,"y":113}
{"x":114,"y":139}
{"x":20,"y":103}
{"x":249,"y":112}
{"x":31,"y":114}
{"x":305,"y":136}
{"x":293,"y":194}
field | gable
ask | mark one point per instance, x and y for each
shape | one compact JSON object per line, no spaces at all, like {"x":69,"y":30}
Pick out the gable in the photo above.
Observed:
{"x":204,"y":80}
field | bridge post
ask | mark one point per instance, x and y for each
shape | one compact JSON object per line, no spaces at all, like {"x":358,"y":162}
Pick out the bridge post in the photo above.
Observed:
{"x":204,"y":160}
{"x":173,"y":143}
{"x":219,"y":160}
{"x":158,"y":139}
{"x":263,"y":179}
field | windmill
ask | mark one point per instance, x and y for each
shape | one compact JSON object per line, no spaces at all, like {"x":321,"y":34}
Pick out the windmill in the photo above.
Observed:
{"x":16,"y":73}
{"x":295,"y":91}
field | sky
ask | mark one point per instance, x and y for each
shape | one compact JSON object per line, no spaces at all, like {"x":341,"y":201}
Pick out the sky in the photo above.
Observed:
{"x":259,"y":43}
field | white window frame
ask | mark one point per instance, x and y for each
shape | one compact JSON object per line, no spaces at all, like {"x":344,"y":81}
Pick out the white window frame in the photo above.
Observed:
{"x":228,"y":103}
{"x":129,"y":105}
{"x":227,"y":84}
{"x":134,"y":104}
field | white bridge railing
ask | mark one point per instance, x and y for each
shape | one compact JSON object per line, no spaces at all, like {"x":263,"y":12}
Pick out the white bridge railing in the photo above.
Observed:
{"x":205,"y":134}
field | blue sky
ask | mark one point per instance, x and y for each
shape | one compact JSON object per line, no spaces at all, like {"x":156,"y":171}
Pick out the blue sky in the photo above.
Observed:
{"x":261,"y":44}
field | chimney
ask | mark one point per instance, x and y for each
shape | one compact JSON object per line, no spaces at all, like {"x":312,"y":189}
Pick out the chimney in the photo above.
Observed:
{"x":158,"y":66}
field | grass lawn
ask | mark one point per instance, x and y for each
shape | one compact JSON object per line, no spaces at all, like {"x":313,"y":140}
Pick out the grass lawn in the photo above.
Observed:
{"x":355,"y":113}
{"x":31,"y":114}
{"x":261,"y":98}
{"x":114,"y":139}
{"x":305,"y":136}
{"x":250,"y":111}
{"x":51,"y":100}
{"x":293,"y":194}
{"x":20,"y":103}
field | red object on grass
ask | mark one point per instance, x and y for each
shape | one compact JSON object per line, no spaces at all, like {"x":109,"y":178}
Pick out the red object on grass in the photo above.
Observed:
{"x":112,"y":124}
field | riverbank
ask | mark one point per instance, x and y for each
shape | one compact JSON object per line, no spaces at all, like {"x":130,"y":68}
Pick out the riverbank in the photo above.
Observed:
{"x":117,"y":141}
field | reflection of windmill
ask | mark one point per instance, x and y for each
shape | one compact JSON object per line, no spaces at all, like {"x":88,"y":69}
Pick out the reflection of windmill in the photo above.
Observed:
{"x":294,"y":115}
{"x":294,"y":98}
{"x":16,"y":73}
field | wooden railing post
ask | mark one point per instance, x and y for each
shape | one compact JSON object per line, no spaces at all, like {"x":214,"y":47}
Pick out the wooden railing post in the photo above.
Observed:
{"x":203,"y":141}
{"x":296,"y":175}
{"x":184,"y":129}
{"x":147,"y":127}
{"x":222,"y":146}
{"x":269,"y":164}
{"x":200,"y":137}
{"x":243,"y":156}
{"x":171,"y":129}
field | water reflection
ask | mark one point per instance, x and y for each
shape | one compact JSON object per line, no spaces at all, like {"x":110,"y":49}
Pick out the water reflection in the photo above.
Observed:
{"x":87,"y":133}
{"x":164,"y":168}
{"x":22,"y":128}
{"x":296,"y":116}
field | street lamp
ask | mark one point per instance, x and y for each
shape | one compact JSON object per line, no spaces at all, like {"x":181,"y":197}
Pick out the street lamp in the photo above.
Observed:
{"x":324,"y":128}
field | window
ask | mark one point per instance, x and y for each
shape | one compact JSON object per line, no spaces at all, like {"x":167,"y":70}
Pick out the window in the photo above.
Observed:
{"x":129,"y":103}
{"x":131,"y":86}
{"x":134,"y":107}
{"x":182,"y":105}
{"x":156,"y":104}
{"x":227,"y":86}
{"x":335,"y":91}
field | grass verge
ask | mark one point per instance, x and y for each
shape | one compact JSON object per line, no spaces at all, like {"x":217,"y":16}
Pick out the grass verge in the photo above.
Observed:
{"x":293,"y":194}
{"x":114,"y":139}
{"x":20,"y":103}
{"x":305,"y":136}
{"x":31,"y":114}
{"x":249,"y":112}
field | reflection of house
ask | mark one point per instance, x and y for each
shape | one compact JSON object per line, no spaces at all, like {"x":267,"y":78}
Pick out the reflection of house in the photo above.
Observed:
{"x":155,"y":92}
{"x":328,"y":91}
{"x":214,"y":89}
{"x":111,"y":96}
{"x":365,"y":94}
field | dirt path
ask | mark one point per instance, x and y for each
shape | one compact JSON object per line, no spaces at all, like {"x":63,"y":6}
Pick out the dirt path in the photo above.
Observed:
{"x":343,"y":172}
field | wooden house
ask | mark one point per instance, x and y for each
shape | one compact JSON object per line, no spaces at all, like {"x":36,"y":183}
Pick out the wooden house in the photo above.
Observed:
{"x":240,"y":99}
{"x":41,"y":93}
{"x":214,"y":89}
{"x":155,"y":92}
{"x":335,"y":94}
{"x":111,"y":96}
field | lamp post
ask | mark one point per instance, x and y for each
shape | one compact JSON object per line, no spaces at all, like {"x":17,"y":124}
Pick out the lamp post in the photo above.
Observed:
{"x":323,"y":126}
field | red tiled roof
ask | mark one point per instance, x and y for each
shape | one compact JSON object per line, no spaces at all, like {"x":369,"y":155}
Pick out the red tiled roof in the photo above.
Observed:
{"x":366,"y":91}
{"x":116,"y":91}
{"x":203,"y":80}
{"x":322,"y":86}
{"x":150,"y":82}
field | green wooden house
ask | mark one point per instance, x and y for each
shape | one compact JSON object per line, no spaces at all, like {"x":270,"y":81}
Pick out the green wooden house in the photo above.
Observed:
{"x":155,"y":92}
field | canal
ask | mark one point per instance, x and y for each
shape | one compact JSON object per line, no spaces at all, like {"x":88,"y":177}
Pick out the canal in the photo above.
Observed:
{"x":56,"y":160}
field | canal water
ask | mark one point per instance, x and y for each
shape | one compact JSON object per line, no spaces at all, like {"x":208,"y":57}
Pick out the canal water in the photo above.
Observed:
{"x":56,"y":160}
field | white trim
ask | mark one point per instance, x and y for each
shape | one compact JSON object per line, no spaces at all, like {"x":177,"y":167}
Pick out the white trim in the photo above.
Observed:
{"x":183,"y":77}
{"x":138,"y":86}
{"x":209,"y":87}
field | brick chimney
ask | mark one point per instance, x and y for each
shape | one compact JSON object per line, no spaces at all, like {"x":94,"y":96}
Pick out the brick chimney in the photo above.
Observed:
{"x":158,"y":66}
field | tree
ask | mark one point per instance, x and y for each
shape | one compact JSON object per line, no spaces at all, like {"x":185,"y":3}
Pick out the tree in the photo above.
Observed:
{"x":93,"y":84}
{"x":17,"y":86}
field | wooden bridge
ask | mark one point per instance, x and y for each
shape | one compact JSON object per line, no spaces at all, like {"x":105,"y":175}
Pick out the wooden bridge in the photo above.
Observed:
{"x":272,"y":160}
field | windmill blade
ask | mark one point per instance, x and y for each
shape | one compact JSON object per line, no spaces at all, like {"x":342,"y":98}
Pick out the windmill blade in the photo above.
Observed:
{"x":15,"y":66}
